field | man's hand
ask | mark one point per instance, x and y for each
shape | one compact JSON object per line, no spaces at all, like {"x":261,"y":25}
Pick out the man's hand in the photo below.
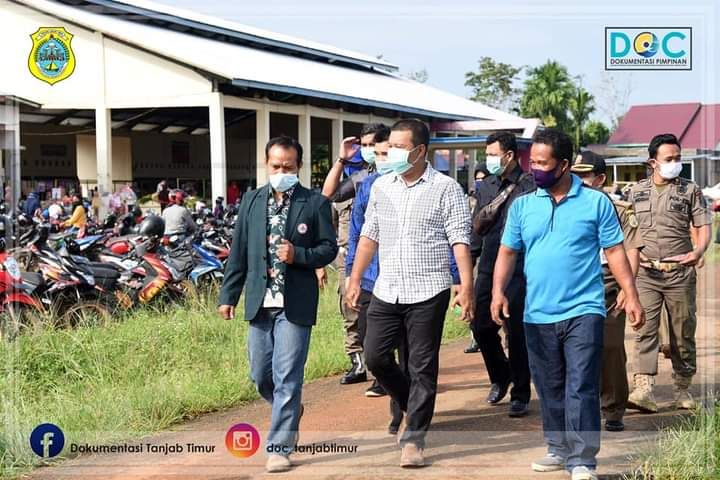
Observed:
{"x":227,"y":312}
{"x":620,"y":301}
{"x":286,"y":252}
{"x":691,"y":258}
{"x":352,"y":294}
{"x":499,"y":308}
{"x":321,"y":277}
{"x":634,"y":312}
{"x":465,"y":300}
{"x":348,"y":147}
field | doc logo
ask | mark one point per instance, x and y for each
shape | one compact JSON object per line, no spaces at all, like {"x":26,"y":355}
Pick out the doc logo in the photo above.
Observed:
{"x":628,"y":48}
{"x":47,"y":440}
{"x":242,"y":440}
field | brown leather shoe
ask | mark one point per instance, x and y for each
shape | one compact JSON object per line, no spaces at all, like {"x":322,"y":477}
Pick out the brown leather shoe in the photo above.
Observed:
{"x":412,"y":456}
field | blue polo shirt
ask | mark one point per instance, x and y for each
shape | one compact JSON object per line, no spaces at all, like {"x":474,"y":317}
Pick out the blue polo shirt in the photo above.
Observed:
{"x":562,"y":245}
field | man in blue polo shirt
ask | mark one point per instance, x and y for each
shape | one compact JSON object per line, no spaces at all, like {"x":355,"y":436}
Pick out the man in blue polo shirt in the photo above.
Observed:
{"x":561,"y":228}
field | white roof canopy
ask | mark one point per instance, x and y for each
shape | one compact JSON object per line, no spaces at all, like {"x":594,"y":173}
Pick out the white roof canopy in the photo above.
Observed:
{"x":244,"y":66}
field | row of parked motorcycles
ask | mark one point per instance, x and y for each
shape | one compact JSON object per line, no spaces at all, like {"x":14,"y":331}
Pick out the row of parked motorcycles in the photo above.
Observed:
{"x":66,"y":277}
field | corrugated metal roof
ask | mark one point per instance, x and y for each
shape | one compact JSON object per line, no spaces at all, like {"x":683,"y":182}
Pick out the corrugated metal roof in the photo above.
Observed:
{"x":642,"y":122}
{"x":253,"y":66}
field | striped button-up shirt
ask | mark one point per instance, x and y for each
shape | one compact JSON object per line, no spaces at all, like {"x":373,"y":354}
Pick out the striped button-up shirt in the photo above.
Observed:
{"x":415,"y":225}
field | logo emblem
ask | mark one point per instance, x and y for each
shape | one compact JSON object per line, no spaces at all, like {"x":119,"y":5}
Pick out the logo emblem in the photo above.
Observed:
{"x":242,"y":440}
{"x":646,"y":44}
{"x":51,"y":58}
{"x":47,"y":440}
{"x":302,"y":229}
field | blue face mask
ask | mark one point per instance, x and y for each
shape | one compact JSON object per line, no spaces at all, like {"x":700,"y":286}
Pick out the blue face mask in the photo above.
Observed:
{"x":368,"y":154}
{"x":494,"y":165}
{"x":282,"y":182}
{"x":398,"y":159}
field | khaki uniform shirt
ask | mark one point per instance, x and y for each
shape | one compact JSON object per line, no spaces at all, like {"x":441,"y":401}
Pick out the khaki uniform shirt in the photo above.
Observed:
{"x":633,"y":239}
{"x":664,"y":217}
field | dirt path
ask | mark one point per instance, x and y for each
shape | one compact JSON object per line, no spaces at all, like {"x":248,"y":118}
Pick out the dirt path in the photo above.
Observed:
{"x":468,"y":439}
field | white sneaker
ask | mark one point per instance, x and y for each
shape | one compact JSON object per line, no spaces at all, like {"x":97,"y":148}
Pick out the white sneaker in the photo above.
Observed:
{"x":277,"y":463}
{"x":549,"y":463}
{"x":583,"y":473}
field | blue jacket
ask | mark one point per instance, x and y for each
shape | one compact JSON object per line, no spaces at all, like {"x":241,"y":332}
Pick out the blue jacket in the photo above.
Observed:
{"x":32,"y":203}
{"x":357,"y":220}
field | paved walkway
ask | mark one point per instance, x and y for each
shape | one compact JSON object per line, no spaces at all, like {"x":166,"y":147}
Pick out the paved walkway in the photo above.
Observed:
{"x":469,"y":439}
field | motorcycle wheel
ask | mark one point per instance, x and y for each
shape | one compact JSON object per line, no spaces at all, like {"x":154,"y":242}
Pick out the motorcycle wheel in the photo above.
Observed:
{"x":86,"y":313}
{"x":15,"y":318}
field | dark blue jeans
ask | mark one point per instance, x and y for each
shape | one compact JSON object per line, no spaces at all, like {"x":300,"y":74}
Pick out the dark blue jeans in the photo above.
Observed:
{"x":565,"y":359}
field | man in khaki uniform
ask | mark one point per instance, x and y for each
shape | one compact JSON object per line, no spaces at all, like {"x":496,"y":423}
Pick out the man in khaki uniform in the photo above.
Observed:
{"x":666,"y":207}
{"x":591,"y":168}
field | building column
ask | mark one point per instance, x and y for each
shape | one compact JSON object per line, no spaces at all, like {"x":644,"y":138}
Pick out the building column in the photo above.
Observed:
{"x":218,"y":162}
{"x":336,"y":140}
{"x":305,"y":140}
{"x":262,"y":137}
{"x":471,"y":170}
{"x":103,"y":155}
{"x":452,"y":165}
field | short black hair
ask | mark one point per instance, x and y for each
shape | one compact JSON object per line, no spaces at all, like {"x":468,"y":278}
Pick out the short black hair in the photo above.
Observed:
{"x":382,"y":134}
{"x":505,"y":139}
{"x":662,"y":139}
{"x":418,"y":128}
{"x":373,"y":128}
{"x":285,"y":141}
{"x":562,"y":146}
{"x":482,"y":169}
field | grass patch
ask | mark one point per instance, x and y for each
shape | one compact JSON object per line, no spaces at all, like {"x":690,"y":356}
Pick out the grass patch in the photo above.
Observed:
{"x":142,"y":373}
{"x":688,"y":451}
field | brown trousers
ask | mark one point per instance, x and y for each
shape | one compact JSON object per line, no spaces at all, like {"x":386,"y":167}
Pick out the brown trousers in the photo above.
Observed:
{"x":676,"y":290}
{"x":613,"y":378}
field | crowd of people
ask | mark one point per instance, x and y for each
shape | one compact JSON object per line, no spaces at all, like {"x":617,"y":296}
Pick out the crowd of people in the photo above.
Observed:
{"x":544,"y":254}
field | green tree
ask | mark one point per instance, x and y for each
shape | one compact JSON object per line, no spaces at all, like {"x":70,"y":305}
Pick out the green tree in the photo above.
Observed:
{"x":595,"y":133}
{"x":547,"y":91}
{"x":580,"y":106}
{"x":493,"y":83}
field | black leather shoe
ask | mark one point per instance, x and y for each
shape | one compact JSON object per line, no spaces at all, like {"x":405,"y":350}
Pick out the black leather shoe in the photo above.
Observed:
{"x":393,"y":429}
{"x":497,"y":392}
{"x":473,"y":347}
{"x":518,"y":408}
{"x":357,"y":373}
{"x":614,"y":425}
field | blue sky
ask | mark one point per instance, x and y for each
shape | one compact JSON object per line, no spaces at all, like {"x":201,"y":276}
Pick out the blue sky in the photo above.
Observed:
{"x":447,"y":38}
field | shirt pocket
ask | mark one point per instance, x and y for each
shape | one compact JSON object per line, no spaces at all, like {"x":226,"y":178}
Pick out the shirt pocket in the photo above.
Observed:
{"x":643,"y":212}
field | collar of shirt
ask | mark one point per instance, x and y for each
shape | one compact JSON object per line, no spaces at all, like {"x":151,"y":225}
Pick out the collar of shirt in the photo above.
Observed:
{"x":575,"y":186}
{"x":427,"y":176}
{"x":287,"y":195}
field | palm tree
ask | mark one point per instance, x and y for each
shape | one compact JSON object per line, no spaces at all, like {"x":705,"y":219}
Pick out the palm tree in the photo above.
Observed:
{"x":548,"y":89}
{"x":580,"y":106}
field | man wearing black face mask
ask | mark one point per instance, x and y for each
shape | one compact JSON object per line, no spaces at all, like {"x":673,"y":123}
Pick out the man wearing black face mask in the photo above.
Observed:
{"x":561,"y":228}
{"x":496,"y":193}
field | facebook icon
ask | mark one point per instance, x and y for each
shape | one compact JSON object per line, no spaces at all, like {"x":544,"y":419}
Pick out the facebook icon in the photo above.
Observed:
{"x":47,"y":440}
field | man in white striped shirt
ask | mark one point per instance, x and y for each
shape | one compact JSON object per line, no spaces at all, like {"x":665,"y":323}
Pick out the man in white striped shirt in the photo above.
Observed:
{"x":414,"y":215}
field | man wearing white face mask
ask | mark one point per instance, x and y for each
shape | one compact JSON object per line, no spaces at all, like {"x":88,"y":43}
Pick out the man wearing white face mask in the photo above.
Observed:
{"x":414,"y":215}
{"x":283,"y":233}
{"x":666,"y":207}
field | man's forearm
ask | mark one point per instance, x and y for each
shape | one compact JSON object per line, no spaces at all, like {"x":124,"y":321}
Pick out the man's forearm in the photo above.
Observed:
{"x":504,"y":266}
{"x":363,"y":256}
{"x":621,"y":270}
{"x":464,"y":264}
{"x":332,"y":181}
{"x":702,"y":238}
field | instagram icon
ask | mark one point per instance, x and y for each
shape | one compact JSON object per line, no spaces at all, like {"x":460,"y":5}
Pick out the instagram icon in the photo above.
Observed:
{"x":242,"y":440}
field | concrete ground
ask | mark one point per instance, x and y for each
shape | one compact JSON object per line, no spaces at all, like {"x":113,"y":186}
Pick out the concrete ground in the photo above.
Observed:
{"x":468,"y":438}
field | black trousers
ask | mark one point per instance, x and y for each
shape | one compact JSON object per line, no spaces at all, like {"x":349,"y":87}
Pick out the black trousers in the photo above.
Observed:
{"x":363,"y":304}
{"x":422,"y":325}
{"x":485,"y":331}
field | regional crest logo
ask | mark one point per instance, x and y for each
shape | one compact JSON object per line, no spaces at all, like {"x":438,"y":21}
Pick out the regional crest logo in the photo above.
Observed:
{"x":51,"y":58}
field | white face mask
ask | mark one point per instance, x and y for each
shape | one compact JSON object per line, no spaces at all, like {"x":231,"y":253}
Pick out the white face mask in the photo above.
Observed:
{"x":494,"y":165}
{"x":670,"y":171}
{"x":283,"y":182}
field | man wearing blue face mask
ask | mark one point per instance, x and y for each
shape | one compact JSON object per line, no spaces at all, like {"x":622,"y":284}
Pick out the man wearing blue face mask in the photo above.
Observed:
{"x":415,"y":216}
{"x":277,"y":265}
{"x":494,"y":195}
